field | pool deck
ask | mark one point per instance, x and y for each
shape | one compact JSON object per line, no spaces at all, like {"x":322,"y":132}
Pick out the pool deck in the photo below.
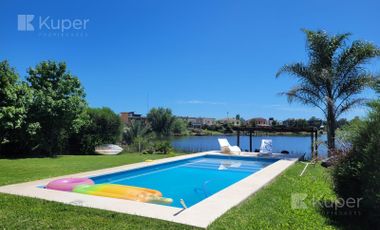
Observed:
{"x":200,"y":215}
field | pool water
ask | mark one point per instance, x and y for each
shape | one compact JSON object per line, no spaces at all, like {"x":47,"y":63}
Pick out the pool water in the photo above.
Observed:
{"x":192,"y":179}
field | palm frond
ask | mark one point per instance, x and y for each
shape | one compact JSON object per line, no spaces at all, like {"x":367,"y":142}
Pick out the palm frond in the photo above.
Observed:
{"x":306,"y":76}
{"x":304,"y":96}
{"x":349,"y":104}
{"x":349,"y":63}
{"x":322,"y":47}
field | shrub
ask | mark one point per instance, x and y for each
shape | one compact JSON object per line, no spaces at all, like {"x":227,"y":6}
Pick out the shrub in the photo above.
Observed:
{"x":357,"y":174}
{"x":103,"y":127}
{"x":160,"y":147}
{"x":163,"y":147}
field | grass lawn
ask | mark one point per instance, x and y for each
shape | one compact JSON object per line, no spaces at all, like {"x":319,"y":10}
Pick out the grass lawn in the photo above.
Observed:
{"x":270,"y":208}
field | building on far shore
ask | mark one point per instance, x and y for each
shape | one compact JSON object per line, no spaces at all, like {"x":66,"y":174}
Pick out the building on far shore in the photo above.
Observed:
{"x":258,"y":121}
{"x":198,"y":122}
{"x":127,"y":117}
{"x":231,"y":121}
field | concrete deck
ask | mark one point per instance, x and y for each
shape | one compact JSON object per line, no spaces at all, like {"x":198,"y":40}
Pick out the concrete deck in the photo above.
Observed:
{"x":201,"y":214}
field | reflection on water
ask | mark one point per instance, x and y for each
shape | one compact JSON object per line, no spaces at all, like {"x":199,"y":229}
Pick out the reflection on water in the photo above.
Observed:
{"x":293,"y":144}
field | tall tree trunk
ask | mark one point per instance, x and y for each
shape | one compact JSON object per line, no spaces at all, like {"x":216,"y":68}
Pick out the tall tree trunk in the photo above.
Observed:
{"x":331,"y":126}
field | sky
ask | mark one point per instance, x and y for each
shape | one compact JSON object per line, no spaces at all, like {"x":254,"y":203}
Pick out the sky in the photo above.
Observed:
{"x":209,"y":58}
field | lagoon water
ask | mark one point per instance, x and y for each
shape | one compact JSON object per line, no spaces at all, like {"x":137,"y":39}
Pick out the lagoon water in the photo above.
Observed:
{"x":294,"y":144}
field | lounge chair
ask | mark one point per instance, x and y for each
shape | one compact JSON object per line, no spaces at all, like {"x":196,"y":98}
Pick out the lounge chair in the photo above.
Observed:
{"x":266,"y":146}
{"x":225,"y":147}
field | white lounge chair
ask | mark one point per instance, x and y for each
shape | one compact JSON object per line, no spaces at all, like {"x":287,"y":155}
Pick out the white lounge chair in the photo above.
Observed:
{"x":266,"y":146}
{"x":225,"y":147}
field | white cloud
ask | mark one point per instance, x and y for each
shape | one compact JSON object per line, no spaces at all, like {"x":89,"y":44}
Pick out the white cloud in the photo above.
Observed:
{"x":200,"y":102}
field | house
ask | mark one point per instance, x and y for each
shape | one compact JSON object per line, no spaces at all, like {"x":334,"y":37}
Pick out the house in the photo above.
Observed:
{"x":231,"y":121}
{"x":197,"y":122}
{"x":271,"y":121}
{"x":129,"y":116}
{"x":258,"y":121}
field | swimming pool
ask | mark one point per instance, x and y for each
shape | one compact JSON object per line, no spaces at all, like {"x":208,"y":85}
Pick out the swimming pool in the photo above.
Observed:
{"x":192,"y":180}
{"x":211,"y":183}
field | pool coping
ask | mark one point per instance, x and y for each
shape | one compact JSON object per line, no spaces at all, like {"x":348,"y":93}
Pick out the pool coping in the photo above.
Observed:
{"x":200,"y":215}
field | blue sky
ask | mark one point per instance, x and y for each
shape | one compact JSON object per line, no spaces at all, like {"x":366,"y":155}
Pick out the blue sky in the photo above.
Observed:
{"x":199,"y":58}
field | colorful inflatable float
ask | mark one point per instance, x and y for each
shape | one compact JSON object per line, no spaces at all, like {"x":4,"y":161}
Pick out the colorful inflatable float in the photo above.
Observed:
{"x":87,"y":186}
{"x":68,"y":184}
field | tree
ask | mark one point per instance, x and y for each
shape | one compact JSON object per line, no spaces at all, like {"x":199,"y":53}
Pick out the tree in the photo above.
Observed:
{"x":103,"y":127}
{"x":58,"y":104}
{"x":161,"y":120}
{"x":179,"y":127}
{"x":15,"y":100}
{"x":295,"y":123}
{"x":137,"y":134}
{"x":341,"y":122}
{"x":314,"y":122}
{"x":135,"y":129}
{"x":334,"y":76}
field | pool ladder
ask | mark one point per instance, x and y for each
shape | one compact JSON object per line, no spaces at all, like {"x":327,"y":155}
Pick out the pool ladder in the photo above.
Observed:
{"x":183,"y":205}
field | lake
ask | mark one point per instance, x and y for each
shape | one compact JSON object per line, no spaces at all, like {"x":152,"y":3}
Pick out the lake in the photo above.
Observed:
{"x":296,"y":145}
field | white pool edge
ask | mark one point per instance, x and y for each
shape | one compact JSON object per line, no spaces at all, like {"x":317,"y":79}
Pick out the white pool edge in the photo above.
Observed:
{"x":200,"y":215}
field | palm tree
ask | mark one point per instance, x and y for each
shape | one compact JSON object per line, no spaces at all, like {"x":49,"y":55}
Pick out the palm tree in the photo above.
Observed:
{"x":334,"y":76}
{"x":136,"y":132}
{"x":134,"y":129}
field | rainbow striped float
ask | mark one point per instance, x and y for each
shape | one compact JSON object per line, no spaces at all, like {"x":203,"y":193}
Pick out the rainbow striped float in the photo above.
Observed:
{"x":87,"y":186}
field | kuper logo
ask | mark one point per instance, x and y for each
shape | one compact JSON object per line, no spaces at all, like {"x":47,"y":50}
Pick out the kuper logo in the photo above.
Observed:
{"x":50,"y":25}
{"x":25,"y":22}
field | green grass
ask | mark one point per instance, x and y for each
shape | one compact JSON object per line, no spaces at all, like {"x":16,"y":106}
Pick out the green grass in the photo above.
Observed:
{"x":20,"y":170}
{"x":270,"y":208}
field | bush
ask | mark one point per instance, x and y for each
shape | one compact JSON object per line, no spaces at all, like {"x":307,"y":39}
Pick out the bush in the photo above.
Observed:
{"x":163,"y":147}
{"x":103,"y":127}
{"x":357,"y":174}
{"x":160,"y":147}
{"x":140,"y":144}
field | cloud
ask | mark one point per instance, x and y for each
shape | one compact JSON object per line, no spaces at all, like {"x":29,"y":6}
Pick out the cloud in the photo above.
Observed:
{"x":273,"y":106}
{"x":200,"y":102}
{"x":289,"y":108}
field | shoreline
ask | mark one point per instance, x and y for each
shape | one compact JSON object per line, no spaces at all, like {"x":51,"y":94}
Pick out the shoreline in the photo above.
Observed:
{"x":301,"y":134}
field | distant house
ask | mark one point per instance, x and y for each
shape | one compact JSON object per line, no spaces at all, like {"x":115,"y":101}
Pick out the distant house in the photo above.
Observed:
{"x":127,"y":117}
{"x":197,"y":122}
{"x":271,"y":121}
{"x":231,"y":121}
{"x":258,"y":121}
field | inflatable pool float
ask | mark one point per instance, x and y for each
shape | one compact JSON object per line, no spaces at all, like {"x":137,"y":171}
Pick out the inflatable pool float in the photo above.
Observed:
{"x":68,"y":184}
{"x":124,"y":192}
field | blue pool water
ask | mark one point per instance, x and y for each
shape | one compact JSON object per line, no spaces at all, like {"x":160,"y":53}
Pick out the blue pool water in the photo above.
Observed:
{"x":192,"y":179}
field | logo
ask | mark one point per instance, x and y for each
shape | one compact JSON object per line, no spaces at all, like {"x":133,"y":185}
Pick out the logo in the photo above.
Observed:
{"x":53,"y":27}
{"x":340,"y":206}
{"x":297,"y":201}
{"x":25,"y":22}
